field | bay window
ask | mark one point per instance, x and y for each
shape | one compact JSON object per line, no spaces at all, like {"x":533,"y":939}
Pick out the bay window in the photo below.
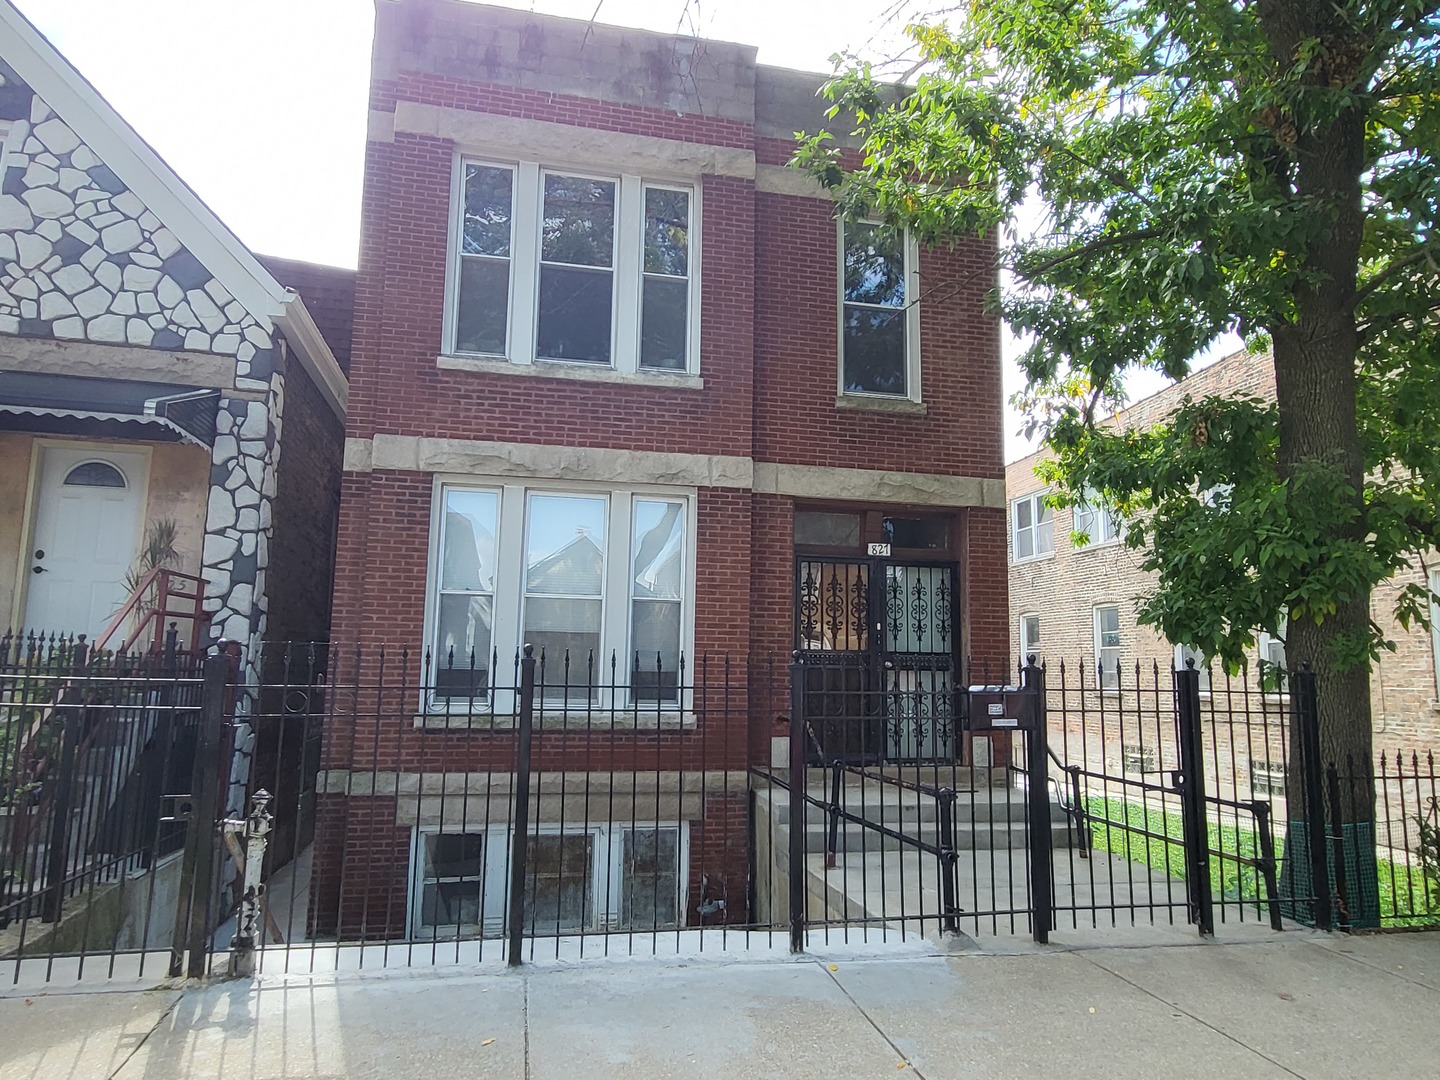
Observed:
{"x":556,"y":267}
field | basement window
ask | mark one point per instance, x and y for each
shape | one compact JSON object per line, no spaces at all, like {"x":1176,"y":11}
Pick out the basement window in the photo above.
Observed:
{"x":1267,"y":777}
{"x":578,"y":877}
{"x":1138,"y":759}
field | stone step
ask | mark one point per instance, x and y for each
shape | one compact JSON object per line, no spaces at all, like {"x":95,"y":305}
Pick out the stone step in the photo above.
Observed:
{"x":979,"y":836}
{"x":996,"y":821}
{"x":954,"y":777}
{"x":885,"y":807}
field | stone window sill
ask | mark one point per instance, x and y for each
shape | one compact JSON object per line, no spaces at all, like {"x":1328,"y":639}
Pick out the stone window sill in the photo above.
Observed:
{"x":1030,"y":560}
{"x":863,"y":403}
{"x":576,"y":720}
{"x":545,"y":369}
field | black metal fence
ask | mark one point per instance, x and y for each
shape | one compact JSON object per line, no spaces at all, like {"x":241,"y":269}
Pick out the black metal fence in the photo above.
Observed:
{"x":91,"y":743}
{"x":1272,"y":825}
{"x":463,"y":808}
{"x":1404,"y":791}
{"x":887,"y":842}
{"x":1148,"y":796}
{"x":434,"y":809}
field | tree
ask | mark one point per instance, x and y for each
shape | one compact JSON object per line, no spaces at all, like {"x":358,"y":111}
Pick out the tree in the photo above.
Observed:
{"x":1267,"y":167}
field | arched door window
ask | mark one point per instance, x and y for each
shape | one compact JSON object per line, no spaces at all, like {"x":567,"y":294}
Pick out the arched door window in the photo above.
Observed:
{"x":95,"y":474}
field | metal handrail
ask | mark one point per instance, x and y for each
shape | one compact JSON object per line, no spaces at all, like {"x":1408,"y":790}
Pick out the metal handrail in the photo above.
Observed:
{"x":1075,"y":809}
{"x":161,"y":578}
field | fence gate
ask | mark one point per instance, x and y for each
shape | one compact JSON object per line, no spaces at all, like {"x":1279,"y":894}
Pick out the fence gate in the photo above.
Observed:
{"x":1096,"y":808}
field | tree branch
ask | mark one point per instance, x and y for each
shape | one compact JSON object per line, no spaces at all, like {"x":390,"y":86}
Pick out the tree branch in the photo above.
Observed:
{"x":1365,"y":291}
{"x":1371,"y":327}
{"x":1098,"y":244}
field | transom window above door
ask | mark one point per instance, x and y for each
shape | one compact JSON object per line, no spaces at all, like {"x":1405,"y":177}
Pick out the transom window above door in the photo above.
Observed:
{"x":553,"y":266}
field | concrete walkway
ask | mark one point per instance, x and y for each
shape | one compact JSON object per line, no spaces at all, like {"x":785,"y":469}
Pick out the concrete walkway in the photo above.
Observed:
{"x":1292,"y":1004}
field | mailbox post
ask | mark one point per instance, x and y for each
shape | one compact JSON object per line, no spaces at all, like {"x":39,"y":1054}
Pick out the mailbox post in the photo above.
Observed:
{"x":1022,"y":708}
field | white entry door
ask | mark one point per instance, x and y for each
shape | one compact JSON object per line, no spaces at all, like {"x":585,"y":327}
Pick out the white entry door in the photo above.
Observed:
{"x":88,"y":513}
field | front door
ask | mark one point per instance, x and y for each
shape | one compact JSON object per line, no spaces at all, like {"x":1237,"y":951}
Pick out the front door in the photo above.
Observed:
{"x":88,"y":510}
{"x":878,"y":644}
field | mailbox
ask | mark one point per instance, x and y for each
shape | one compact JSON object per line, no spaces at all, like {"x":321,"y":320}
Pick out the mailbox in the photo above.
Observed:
{"x":1001,"y":708}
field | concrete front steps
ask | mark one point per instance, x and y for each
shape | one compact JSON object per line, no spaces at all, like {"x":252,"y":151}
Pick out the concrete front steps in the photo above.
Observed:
{"x":989,"y":814}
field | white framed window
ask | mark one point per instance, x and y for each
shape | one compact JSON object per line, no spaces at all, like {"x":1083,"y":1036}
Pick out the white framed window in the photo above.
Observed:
{"x":1217,"y":496}
{"x":590,"y":576}
{"x":1096,"y":520}
{"x":1032,"y":525}
{"x":575,"y":305}
{"x":1185,"y":655}
{"x":552,"y":265}
{"x":1434,"y":580}
{"x":1270,"y":654}
{"x":666,"y":296}
{"x":879,"y":318}
{"x":1138,"y":759}
{"x":449,"y":893}
{"x":463,"y":634}
{"x":1271,"y":647}
{"x":1029,"y":637}
{"x":582,"y":877}
{"x":1107,"y":645}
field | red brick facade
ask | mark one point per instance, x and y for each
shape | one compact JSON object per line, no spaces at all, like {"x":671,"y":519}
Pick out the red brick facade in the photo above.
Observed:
{"x":764,"y":398}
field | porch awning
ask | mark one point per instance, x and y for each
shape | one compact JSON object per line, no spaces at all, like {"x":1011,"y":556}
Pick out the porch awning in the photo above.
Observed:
{"x":115,"y":408}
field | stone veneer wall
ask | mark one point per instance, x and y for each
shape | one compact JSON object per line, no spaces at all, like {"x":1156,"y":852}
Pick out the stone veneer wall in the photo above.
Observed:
{"x":83,"y":259}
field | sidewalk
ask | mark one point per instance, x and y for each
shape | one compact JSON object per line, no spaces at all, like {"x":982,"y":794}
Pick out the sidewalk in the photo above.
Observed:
{"x":1293,"y":1004}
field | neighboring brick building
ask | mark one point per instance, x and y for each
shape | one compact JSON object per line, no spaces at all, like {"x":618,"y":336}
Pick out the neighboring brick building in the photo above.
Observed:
{"x":1078,"y":603}
{"x":621,"y":367}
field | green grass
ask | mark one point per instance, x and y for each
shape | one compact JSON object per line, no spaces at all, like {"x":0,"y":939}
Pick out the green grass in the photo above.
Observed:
{"x":1404,"y":890}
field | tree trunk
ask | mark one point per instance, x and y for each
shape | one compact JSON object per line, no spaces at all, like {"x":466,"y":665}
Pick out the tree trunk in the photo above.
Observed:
{"x":1315,"y":352}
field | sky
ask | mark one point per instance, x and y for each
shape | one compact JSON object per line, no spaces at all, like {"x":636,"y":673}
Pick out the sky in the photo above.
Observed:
{"x":260,"y":105}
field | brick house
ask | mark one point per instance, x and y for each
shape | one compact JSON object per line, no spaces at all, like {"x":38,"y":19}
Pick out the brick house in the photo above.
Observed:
{"x":156,"y":379}
{"x":1078,"y":603}
{"x":624,"y":389}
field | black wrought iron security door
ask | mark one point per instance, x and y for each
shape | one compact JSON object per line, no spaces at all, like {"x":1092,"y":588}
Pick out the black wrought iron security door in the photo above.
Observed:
{"x":878,"y":643}
{"x":917,"y":661}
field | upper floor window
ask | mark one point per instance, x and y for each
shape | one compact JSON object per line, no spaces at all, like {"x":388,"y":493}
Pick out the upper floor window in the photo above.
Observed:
{"x":1032,"y":527}
{"x":1434,"y":583}
{"x":879,"y":321}
{"x":1096,"y":520}
{"x":1186,"y":656}
{"x":561,"y":267}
